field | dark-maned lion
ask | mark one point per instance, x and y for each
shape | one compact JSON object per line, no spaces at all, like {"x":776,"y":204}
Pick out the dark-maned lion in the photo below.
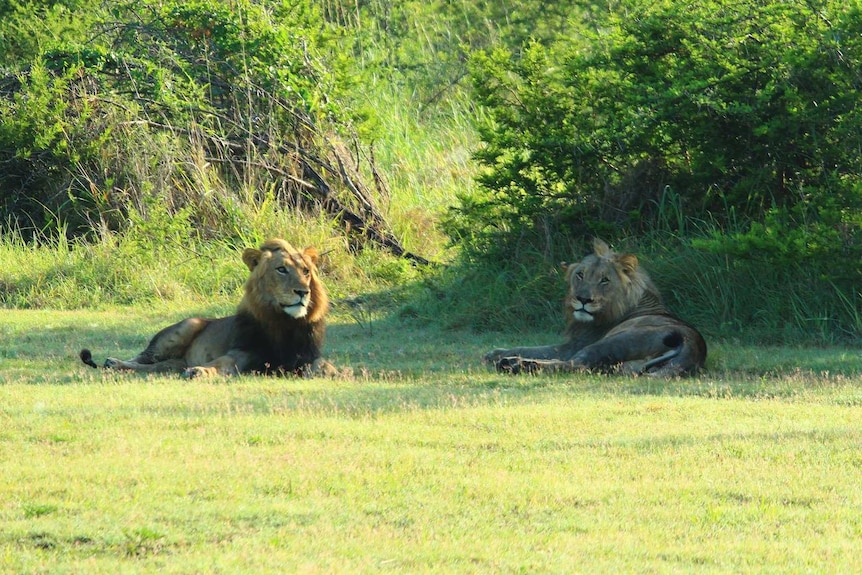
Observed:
{"x":616,"y":322}
{"x":278,"y":327}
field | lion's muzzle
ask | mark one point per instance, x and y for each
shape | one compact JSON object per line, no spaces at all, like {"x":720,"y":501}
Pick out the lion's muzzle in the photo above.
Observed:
{"x":583,"y":309}
{"x":299,"y":308}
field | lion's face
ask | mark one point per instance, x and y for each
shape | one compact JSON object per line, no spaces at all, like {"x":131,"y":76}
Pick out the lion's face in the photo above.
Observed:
{"x":603,"y":286}
{"x":284,"y":280}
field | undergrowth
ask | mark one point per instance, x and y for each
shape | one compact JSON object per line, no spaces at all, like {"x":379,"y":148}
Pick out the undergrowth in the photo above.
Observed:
{"x":728,"y":298}
{"x":152,"y":267}
{"x":746,"y":299}
{"x":425,"y":156}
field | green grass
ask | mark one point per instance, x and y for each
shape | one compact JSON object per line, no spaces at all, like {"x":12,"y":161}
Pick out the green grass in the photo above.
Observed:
{"x":422,"y":462}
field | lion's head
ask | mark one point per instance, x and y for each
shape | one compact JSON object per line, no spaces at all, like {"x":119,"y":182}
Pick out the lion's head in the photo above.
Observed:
{"x":284,"y":281}
{"x":605,"y":286}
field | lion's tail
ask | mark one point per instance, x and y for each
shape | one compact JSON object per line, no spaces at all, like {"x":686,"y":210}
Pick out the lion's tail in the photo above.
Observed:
{"x":660,"y":360}
{"x":676,"y":341}
{"x":87,"y":357}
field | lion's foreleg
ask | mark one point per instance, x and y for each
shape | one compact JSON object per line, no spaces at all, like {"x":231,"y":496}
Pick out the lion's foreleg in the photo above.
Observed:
{"x":541,"y":353}
{"x":516,"y":365}
{"x":233,"y":362}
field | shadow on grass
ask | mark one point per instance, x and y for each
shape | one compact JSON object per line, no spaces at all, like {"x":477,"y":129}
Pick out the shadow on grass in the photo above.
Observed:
{"x":400,"y":364}
{"x":377,"y":395}
{"x":40,"y":334}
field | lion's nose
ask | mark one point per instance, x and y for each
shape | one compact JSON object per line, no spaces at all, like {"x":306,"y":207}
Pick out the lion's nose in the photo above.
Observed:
{"x":584,"y":299}
{"x":301,"y":292}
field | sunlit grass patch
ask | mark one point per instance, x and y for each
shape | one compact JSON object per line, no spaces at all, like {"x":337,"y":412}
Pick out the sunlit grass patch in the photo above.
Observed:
{"x":423,"y":461}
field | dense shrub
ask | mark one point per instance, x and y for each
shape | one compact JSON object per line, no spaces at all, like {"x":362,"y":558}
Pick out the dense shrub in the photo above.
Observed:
{"x":194,"y":103}
{"x":736,"y":108}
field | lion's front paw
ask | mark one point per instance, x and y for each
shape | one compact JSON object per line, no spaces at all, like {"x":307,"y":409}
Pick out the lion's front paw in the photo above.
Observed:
{"x":199,"y":371}
{"x":511,"y":365}
{"x":322,"y":368}
{"x":515,"y":365}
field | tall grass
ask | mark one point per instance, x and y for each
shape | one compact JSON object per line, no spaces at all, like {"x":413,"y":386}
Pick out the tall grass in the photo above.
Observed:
{"x":158,"y":260}
{"x":56,"y":273}
{"x":425,"y":157}
{"x":751,"y":299}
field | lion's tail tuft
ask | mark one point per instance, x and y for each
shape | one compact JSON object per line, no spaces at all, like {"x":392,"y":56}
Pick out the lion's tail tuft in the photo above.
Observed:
{"x":87,"y":357}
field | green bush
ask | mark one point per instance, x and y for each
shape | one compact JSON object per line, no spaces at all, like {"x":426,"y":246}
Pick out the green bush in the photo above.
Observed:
{"x":175,"y":100}
{"x":736,"y":107}
{"x":28,"y":27}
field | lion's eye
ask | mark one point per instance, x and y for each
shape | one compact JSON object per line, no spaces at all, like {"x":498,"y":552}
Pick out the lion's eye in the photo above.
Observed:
{"x":605,"y":280}
{"x":306,"y":272}
{"x":281,"y":270}
{"x":579,"y":275}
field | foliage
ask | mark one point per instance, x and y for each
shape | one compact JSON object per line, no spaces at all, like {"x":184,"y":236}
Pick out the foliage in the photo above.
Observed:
{"x":29,"y":27}
{"x":197,"y":104}
{"x":736,"y":107}
{"x":425,"y":45}
{"x":730,"y":127}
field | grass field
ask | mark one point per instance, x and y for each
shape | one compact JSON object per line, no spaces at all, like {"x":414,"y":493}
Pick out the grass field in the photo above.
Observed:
{"x":423,"y":462}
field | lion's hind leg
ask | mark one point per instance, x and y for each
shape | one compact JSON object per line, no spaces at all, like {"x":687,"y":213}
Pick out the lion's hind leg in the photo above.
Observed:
{"x":166,"y":351}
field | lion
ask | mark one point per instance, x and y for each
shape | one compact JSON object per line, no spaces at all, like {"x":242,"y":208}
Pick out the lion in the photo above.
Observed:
{"x":616,"y":323}
{"x":278,"y":327}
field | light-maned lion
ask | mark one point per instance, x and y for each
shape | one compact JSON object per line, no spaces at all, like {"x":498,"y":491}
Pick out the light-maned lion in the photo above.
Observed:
{"x":278,"y":326}
{"x":616,"y":322}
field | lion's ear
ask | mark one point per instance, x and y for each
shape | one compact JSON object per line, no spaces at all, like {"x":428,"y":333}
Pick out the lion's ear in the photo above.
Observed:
{"x":601,"y":248}
{"x":311,"y":254}
{"x":251,"y":257}
{"x":628,"y":262}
